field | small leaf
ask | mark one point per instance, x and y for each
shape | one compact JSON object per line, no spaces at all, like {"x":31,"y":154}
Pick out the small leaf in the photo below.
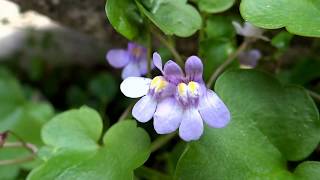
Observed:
{"x":125,"y":148}
{"x":282,"y":40}
{"x":123,"y":16}
{"x":215,"y":6}
{"x":299,"y":17}
{"x":309,"y":170}
{"x":173,"y":17}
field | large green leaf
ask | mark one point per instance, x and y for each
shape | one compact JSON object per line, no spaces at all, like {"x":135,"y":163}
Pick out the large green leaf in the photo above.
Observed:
{"x":270,"y":124}
{"x":300,"y":17}
{"x":23,"y":118}
{"x":214,"y":6}
{"x":73,"y":137}
{"x":173,"y":17}
{"x":123,"y":16}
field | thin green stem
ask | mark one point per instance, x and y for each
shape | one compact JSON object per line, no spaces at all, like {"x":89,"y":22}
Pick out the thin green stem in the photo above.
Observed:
{"x":17,"y":161}
{"x":125,"y":113}
{"x":162,"y":140}
{"x":227,"y":62}
{"x":169,"y":45}
{"x":314,"y":95}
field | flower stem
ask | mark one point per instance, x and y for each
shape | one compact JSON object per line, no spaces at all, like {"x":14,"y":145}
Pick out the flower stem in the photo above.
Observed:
{"x":170,"y":47}
{"x":162,"y":140}
{"x":315,"y":95}
{"x":126,"y":112}
{"x":22,"y":144}
{"x":227,"y":62}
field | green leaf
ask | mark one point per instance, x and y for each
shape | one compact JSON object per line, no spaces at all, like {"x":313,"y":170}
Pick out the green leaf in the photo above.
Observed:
{"x":23,"y":118}
{"x":215,"y":6}
{"x":123,"y":16}
{"x":309,"y":170}
{"x":282,"y":40}
{"x":73,"y":137}
{"x":299,"y":17}
{"x":219,"y":27}
{"x":173,"y":17}
{"x":214,"y":53}
{"x":271,"y":123}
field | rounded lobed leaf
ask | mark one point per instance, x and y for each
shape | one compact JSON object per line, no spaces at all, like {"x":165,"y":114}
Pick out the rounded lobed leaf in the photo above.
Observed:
{"x":299,"y":17}
{"x":75,"y":129}
{"x":270,"y":124}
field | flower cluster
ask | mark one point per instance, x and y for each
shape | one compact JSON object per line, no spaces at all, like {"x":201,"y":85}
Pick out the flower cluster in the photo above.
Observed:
{"x":176,"y":100}
{"x":133,"y":60}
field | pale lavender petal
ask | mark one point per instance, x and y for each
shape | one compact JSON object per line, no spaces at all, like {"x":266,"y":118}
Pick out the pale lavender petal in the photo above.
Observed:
{"x":132,"y":46}
{"x":213,"y":111}
{"x":173,"y":72}
{"x":143,"y":66}
{"x":157,"y":61}
{"x":168,"y":116}
{"x":118,"y":58}
{"x":135,"y":87}
{"x":131,"y":70}
{"x":191,"y":127}
{"x":238,"y":27}
{"x":144,"y":109}
{"x":249,"y":58}
{"x":251,"y":30}
{"x":194,"y":68}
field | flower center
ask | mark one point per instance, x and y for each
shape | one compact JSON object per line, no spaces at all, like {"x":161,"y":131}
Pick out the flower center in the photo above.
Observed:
{"x":188,"y":94}
{"x":137,"y":52}
{"x":158,"y":84}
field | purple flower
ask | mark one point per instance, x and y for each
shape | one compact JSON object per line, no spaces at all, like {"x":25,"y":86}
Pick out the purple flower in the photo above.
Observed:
{"x":177,"y":100}
{"x":249,"y":59}
{"x":248,"y":30}
{"x":133,"y":60}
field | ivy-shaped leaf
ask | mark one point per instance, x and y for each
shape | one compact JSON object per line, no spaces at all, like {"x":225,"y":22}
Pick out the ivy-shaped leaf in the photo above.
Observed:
{"x":23,"y":118}
{"x":215,"y":6}
{"x":73,"y":137}
{"x":270,"y":124}
{"x":173,"y":17}
{"x":300,"y":17}
{"x":123,"y":16}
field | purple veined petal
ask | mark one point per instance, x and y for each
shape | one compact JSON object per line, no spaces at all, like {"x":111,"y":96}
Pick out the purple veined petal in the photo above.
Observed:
{"x":131,"y":70}
{"x":191,"y":127}
{"x":213,"y":111}
{"x":157,"y":61}
{"x":144,"y":109}
{"x":194,"y":69}
{"x":168,"y":116}
{"x":118,"y":58}
{"x":135,"y":87}
{"x":172,"y":72}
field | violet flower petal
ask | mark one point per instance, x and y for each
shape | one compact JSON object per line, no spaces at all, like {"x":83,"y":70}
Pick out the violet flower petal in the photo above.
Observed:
{"x":143,"y":66}
{"x":168,"y":116}
{"x":157,"y":61}
{"x":117,"y":58}
{"x":191,"y":127}
{"x":194,"y":69}
{"x":249,"y":58}
{"x":213,"y":111}
{"x":131,"y":70}
{"x":135,"y":87}
{"x":144,"y":109}
{"x":173,"y":72}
